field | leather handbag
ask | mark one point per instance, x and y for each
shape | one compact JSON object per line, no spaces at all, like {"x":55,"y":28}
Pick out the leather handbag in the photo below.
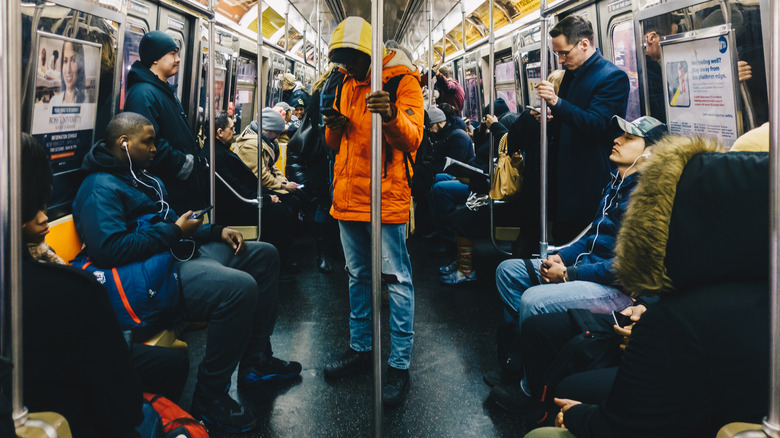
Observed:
{"x":307,"y":144}
{"x":508,"y":176}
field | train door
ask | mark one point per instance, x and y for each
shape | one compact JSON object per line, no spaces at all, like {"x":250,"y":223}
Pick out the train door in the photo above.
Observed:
{"x":619,"y":46}
{"x":246,"y":87}
{"x":527,"y":58}
{"x":474,"y":101}
{"x":178,"y":27}
{"x":141,"y":18}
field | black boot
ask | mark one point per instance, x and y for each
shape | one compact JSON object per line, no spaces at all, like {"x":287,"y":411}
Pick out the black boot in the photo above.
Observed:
{"x":322,"y":262}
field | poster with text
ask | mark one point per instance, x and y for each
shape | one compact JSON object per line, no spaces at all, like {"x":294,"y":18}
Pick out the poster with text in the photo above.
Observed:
{"x":66,"y":86}
{"x":700,"y":95}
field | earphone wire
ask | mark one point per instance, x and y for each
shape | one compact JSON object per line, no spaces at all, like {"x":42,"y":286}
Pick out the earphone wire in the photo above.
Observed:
{"x":607,"y":206}
{"x":163,"y":204}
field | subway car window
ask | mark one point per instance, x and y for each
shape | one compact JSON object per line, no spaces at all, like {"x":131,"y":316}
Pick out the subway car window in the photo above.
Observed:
{"x":505,"y":84}
{"x":624,"y":56}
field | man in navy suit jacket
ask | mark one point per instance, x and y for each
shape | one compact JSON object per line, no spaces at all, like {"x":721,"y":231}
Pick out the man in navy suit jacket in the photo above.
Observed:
{"x":593,"y":90}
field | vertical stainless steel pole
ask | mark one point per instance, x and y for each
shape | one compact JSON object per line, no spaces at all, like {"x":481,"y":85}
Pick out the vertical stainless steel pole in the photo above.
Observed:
{"x":463,"y":25}
{"x":772,"y":422}
{"x":543,"y":156}
{"x":376,"y":211}
{"x":492,"y":97}
{"x":430,"y":54}
{"x":259,"y":116}
{"x":11,"y":220}
{"x":212,"y":100}
{"x":287,"y":29}
{"x":319,"y":40}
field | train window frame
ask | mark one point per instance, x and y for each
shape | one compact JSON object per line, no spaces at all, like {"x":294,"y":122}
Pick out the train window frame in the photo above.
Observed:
{"x":634,"y":108}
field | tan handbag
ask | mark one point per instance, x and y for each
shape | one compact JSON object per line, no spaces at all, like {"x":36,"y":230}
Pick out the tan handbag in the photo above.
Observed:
{"x":508,"y":177}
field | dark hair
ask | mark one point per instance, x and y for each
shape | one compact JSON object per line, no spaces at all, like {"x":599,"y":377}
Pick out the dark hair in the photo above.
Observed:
{"x":661,"y":24}
{"x":55,"y":54}
{"x":449,"y":109}
{"x":221,"y":120}
{"x":574,"y":28}
{"x":36,"y":177}
{"x":78,"y":49}
{"x":127,"y":123}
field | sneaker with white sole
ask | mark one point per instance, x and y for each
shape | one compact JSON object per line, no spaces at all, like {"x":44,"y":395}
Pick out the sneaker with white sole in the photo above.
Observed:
{"x":449,"y":269}
{"x":459,"y":277}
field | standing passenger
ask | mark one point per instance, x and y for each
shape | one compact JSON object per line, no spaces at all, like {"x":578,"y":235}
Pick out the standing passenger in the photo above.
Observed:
{"x":592,"y":91}
{"x":350,"y":136}
{"x":177,"y":161}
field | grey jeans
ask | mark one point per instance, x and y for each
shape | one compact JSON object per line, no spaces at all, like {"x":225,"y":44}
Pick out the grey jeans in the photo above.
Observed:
{"x":237,"y":295}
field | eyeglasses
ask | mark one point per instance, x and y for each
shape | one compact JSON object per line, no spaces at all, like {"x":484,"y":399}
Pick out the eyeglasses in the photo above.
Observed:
{"x":566,"y":53}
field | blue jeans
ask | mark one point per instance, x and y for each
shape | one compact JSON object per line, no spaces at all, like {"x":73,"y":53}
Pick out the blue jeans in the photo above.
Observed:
{"x":522,"y":299}
{"x":397,"y":272}
{"x":445,"y":195}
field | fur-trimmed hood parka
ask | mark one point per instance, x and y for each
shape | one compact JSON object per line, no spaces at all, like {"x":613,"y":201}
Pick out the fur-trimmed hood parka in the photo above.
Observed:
{"x":697,"y":234}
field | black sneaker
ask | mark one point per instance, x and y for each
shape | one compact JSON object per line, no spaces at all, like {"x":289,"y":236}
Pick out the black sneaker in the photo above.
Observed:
{"x":271,"y":370}
{"x":351,"y":362}
{"x":396,"y":386}
{"x":501,"y":378}
{"x":512,"y":398}
{"x":222,"y":412}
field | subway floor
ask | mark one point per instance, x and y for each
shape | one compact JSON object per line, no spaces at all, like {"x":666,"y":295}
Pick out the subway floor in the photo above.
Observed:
{"x":454,"y":346}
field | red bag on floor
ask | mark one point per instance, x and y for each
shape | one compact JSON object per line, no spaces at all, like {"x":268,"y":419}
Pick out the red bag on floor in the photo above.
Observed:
{"x":176,"y":421}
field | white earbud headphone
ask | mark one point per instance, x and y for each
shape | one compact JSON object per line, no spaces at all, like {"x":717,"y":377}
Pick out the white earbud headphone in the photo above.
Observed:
{"x":124,"y":145}
{"x":646,"y":155}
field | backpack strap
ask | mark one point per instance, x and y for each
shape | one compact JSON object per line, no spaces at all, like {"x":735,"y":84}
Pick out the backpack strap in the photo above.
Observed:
{"x":391,"y":87}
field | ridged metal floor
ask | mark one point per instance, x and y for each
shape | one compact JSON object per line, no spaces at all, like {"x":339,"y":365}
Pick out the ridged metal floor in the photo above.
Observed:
{"x":454,"y":346}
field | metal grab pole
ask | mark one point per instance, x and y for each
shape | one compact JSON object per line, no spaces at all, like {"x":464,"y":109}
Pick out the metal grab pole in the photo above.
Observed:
{"x":492,"y":97}
{"x":259,"y":108}
{"x":319,"y":41}
{"x":430,"y":53}
{"x":772,"y":422}
{"x":463,"y":24}
{"x":10,"y":182}
{"x":543,"y":157}
{"x":211,"y":109}
{"x":376,"y":211}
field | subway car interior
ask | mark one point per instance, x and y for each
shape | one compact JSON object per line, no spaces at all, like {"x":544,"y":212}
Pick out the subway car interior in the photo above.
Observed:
{"x":692,"y":69}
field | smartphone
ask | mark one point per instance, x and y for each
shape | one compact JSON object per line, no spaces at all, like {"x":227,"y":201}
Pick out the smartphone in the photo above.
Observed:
{"x":538,"y":109}
{"x":545,"y":265}
{"x":330,"y":112}
{"x":621,"y":320}
{"x":300,"y":186}
{"x":201,"y":213}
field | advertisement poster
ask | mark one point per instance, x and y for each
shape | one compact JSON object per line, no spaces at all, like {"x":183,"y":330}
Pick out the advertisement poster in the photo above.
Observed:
{"x":66,"y":86}
{"x":700,"y":95}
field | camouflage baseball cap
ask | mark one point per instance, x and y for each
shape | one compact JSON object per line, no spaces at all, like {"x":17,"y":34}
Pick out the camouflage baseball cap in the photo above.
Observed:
{"x":647,"y":127}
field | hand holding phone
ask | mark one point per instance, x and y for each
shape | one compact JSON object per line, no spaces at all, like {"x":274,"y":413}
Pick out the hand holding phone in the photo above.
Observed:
{"x":538,"y":109}
{"x":199,"y":214}
{"x":621,"y":320}
{"x":330,"y":112}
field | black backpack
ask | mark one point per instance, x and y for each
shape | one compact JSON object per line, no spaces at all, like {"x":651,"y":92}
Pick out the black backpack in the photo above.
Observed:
{"x":595,"y":347}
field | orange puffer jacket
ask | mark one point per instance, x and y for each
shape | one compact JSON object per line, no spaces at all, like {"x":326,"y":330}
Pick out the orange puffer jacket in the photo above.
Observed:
{"x":352,"y":169}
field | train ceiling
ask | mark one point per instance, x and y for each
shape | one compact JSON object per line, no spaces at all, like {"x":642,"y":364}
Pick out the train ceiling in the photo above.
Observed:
{"x":407,"y":25}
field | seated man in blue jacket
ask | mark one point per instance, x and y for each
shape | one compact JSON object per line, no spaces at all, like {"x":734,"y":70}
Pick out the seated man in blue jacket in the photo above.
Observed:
{"x":580,"y":275}
{"x":230,"y":283}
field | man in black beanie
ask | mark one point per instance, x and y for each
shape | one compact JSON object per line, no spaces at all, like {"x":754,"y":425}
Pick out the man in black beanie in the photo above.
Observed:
{"x":177,"y":161}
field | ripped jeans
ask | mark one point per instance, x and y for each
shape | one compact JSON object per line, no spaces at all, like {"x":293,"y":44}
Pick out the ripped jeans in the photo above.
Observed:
{"x":397,"y":272}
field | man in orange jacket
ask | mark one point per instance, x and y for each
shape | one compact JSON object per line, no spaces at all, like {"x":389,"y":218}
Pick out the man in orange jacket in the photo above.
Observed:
{"x":350,"y":135}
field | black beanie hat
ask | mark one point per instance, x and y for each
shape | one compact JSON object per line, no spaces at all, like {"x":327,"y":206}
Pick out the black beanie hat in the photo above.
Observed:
{"x":154,"y":45}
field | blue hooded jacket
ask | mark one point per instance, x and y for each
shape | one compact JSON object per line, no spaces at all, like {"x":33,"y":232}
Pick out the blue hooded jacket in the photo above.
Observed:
{"x":590,"y":258}
{"x":110,"y":201}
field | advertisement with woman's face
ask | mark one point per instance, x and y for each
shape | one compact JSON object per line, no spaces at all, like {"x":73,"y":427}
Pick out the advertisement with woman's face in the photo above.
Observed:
{"x":66,"y":99}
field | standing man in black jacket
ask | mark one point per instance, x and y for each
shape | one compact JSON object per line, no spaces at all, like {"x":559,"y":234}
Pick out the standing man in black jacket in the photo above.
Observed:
{"x":592,"y":91}
{"x":177,"y":161}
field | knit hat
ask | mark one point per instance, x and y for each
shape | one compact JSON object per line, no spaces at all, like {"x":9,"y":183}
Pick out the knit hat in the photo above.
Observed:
{"x":436,"y":115}
{"x":500,"y":107}
{"x":154,"y":45}
{"x":272,"y":120}
{"x":352,"y":33}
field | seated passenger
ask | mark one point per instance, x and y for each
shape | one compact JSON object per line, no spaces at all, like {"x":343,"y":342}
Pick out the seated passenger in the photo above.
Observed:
{"x":230,"y":283}
{"x":76,"y":359}
{"x":580,"y":275}
{"x":233,"y":211}
{"x":697,"y":359}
